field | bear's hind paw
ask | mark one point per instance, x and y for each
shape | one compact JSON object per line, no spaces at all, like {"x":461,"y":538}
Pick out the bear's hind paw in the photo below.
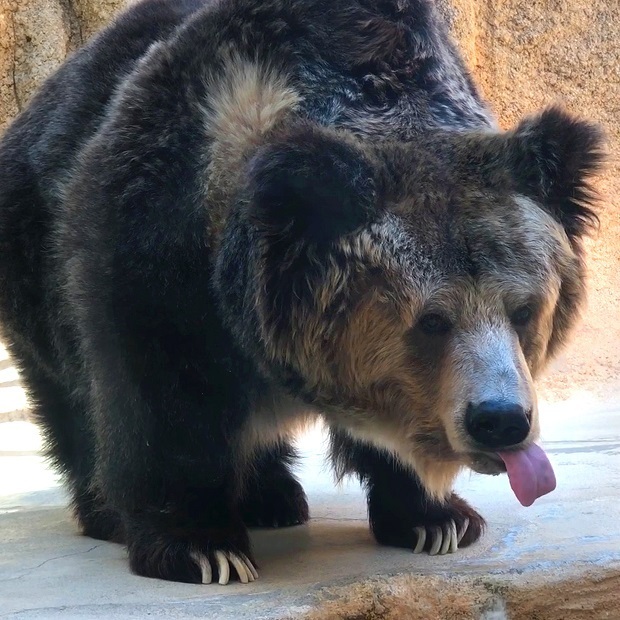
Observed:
{"x":443,"y":539}
{"x":222,"y":561}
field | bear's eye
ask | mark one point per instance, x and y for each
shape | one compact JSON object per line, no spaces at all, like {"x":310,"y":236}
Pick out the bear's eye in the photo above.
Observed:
{"x":434,"y":324}
{"x":522,"y":316}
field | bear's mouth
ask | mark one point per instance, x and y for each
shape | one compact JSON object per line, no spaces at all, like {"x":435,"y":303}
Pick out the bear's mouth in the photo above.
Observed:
{"x":487,"y":463}
{"x":529,"y":470}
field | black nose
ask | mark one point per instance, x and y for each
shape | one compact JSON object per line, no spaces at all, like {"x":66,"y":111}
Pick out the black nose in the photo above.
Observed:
{"x":497,"y":424}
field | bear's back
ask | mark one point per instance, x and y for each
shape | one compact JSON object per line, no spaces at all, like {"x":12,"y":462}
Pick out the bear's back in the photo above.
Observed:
{"x":44,"y":140}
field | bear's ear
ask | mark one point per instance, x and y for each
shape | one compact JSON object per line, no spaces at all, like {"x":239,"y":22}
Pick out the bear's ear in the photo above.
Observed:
{"x":552,"y":156}
{"x":312,"y":185}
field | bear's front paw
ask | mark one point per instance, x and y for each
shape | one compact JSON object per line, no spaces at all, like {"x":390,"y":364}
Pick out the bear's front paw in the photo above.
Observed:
{"x":176,"y":560}
{"x":427,"y":525}
{"x":190,"y":554}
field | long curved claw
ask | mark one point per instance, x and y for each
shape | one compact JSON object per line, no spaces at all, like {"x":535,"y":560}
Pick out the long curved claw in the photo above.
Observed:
{"x":421,"y":541}
{"x":222,"y":561}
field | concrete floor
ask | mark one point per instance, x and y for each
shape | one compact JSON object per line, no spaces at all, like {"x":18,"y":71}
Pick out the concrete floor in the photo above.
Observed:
{"x":558,"y":560}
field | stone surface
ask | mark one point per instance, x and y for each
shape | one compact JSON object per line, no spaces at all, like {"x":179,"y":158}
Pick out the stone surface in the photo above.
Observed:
{"x":558,"y":560}
{"x":36,"y":36}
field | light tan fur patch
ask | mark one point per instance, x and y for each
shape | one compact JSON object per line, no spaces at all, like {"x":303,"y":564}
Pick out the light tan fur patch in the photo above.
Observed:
{"x":246,"y":101}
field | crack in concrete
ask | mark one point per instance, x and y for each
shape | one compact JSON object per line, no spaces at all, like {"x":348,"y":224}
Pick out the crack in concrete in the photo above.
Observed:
{"x":60,"y":557}
{"x":74,"y":21}
{"x":18,"y":102}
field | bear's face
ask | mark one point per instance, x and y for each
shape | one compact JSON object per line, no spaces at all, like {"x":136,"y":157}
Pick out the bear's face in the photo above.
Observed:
{"x":452,"y":336}
{"x":416,"y":290}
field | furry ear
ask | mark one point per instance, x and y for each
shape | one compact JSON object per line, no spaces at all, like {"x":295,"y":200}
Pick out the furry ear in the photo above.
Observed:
{"x":311,"y":184}
{"x":552,"y":156}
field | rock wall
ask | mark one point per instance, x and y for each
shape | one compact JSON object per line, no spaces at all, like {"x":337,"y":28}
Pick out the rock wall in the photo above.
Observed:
{"x":35,"y":37}
{"x":524,"y":54}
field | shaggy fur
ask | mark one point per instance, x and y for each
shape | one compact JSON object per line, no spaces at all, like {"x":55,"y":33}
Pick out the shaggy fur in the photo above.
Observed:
{"x":221,"y":220}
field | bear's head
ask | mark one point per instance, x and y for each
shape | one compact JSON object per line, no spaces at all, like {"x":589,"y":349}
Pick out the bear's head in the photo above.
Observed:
{"x":413,"y":291}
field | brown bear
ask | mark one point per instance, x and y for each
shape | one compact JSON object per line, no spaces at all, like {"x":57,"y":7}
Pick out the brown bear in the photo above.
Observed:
{"x":222,"y":219}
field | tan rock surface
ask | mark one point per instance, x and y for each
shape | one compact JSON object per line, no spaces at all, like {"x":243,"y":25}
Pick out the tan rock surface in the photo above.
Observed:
{"x":36,"y":36}
{"x":593,"y":597}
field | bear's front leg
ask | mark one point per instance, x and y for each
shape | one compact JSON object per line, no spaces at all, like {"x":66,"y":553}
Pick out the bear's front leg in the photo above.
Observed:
{"x":198,"y":537}
{"x":400,"y":512}
{"x":167,"y":421}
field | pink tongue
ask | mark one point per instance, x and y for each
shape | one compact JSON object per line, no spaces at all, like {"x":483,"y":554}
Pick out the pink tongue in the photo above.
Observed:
{"x":530,"y":473}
